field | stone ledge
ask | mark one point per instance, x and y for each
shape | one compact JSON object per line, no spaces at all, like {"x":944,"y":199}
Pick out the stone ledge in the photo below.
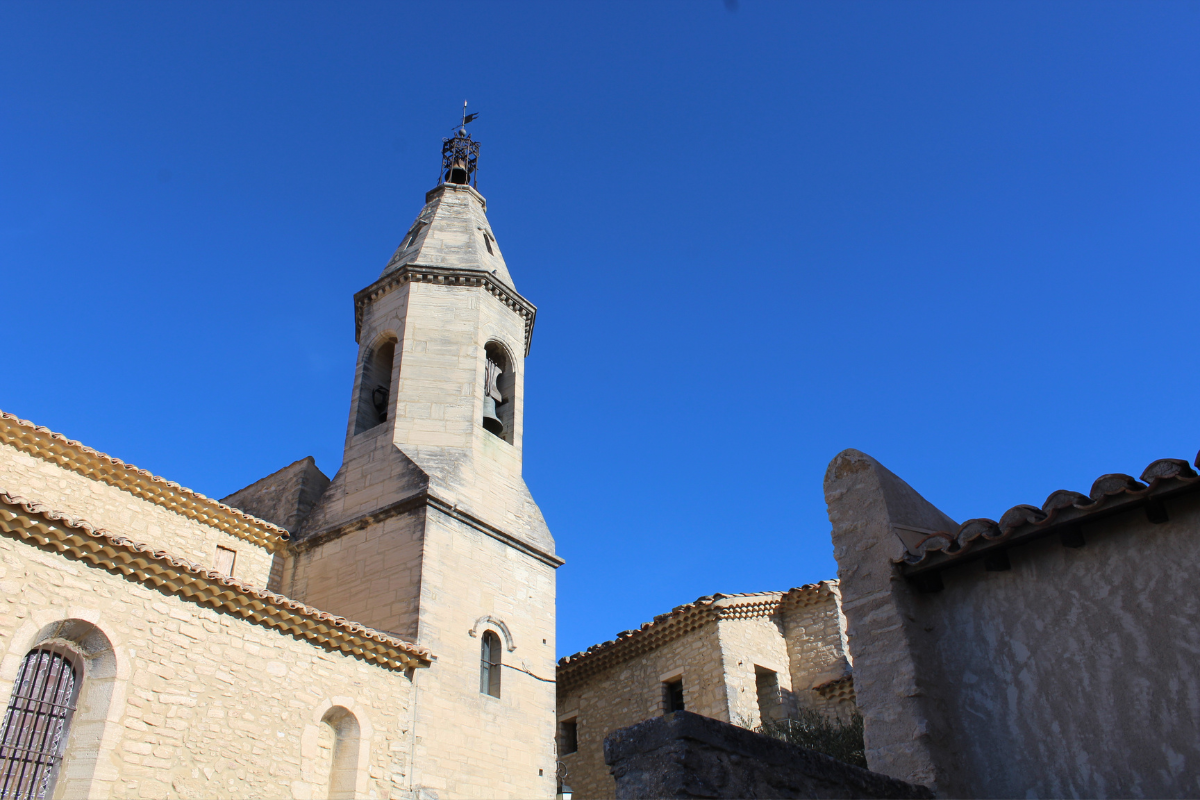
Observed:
{"x":684,"y":755}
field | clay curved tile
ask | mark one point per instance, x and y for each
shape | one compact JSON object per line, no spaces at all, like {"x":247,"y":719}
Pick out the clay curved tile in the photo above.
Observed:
{"x":248,"y":595}
{"x":1065,"y":498}
{"x":1020,"y":515}
{"x":44,"y":443}
{"x":699,"y":609}
{"x":1166,"y":468}
{"x":972,"y":529}
{"x":1115,"y":483}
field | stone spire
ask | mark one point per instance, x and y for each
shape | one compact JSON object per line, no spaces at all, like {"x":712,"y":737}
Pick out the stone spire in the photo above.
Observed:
{"x":452,"y":232}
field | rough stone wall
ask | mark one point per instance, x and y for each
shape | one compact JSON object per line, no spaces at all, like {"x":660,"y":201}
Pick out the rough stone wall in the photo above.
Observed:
{"x":1071,"y":674}
{"x":632,"y":692}
{"x":687,"y":755}
{"x":121,"y":512}
{"x":284,"y":497}
{"x":816,"y":655}
{"x":197,"y":704}
{"x":746,"y":644}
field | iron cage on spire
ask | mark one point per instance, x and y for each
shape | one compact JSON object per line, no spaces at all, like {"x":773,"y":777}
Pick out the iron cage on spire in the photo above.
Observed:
{"x":460,"y":160}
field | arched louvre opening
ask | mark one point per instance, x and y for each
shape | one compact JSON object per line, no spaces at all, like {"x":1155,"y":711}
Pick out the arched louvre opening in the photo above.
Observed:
{"x":36,"y":723}
{"x":499,"y":392}
{"x":489,"y":668}
{"x":375,"y":386}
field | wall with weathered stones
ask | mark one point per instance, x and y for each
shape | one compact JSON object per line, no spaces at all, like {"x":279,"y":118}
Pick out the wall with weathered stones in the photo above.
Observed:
{"x":687,"y":755}
{"x":1072,"y":673}
{"x":632,"y":692}
{"x":111,"y":508}
{"x":284,"y":497}
{"x":180,"y":700}
{"x":817,"y":657}
{"x":719,"y":661}
{"x":470,"y":744}
{"x":746,"y":644}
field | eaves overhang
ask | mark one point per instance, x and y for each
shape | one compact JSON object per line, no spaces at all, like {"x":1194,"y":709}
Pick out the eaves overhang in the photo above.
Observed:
{"x":1062,"y":514}
{"x":466,"y":278}
{"x":50,"y":530}
{"x":580,"y":667}
{"x":77,"y":457}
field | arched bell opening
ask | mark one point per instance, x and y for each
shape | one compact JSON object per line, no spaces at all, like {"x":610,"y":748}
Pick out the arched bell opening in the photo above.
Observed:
{"x":375,"y":385}
{"x":499,"y":392}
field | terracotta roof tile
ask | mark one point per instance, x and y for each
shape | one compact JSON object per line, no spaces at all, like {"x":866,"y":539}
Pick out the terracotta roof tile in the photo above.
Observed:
{"x":1109,"y":493}
{"x":50,"y":529}
{"x":47,"y":445}
{"x":682,"y":619}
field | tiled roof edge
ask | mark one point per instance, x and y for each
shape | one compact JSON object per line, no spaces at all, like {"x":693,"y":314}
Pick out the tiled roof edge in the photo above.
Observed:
{"x":50,"y":529}
{"x":47,"y":445}
{"x":682,"y":619}
{"x":1109,"y":493}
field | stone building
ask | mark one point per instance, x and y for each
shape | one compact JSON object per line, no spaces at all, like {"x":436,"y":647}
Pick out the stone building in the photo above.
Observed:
{"x":389,"y":633}
{"x":1050,"y":654}
{"x":742,"y":658}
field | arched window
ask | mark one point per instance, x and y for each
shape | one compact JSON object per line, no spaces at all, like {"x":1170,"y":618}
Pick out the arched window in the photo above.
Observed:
{"x":36,"y":722}
{"x":338,"y":744}
{"x":375,"y":386}
{"x":489,"y":667}
{"x":499,"y":390}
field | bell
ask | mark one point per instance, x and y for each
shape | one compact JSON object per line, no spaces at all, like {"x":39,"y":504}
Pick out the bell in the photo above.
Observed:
{"x":458,"y":173}
{"x":491,"y":422}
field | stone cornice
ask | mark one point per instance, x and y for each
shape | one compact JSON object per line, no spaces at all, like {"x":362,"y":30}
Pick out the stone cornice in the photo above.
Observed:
{"x":424,"y":499}
{"x":51,"y":530}
{"x":49,"y":446}
{"x":467,"y":278}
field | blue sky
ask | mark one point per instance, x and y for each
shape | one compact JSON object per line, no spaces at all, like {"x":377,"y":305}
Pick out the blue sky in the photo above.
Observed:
{"x":961,"y":237}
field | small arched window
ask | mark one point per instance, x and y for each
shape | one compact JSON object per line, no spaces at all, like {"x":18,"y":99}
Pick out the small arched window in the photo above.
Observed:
{"x":499,"y":390}
{"x":338,"y":744}
{"x":36,"y":723}
{"x":375,"y":386}
{"x":487,"y":241}
{"x":489,"y":667}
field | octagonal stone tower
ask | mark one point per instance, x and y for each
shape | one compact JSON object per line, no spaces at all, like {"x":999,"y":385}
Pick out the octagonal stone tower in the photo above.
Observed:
{"x":428,"y":530}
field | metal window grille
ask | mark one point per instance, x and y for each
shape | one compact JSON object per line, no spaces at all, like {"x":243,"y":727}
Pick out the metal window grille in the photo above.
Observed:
{"x":35,"y":725}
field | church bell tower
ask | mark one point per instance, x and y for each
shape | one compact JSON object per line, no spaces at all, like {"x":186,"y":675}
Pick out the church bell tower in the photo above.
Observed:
{"x":428,"y":530}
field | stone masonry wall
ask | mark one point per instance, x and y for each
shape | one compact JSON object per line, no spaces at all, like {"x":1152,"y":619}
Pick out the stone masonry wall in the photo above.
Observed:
{"x":686,"y":755}
{"x":470,"y":744}
{"x":1071,"y":674}
{"x":121,"y":512}
{"x":632,"y":692}
{"x":197,"y":703}
{"x":371,"y":575}
{"x":284,"y":497}
{"x":817,"y":654}
{"x":746,"y":644}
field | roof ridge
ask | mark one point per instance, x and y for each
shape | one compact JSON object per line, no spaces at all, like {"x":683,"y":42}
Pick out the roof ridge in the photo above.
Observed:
{"x":43,"y":443}
{"x":205,"y":586}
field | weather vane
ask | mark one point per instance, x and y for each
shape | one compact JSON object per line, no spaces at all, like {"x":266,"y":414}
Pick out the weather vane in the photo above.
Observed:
{"x":460,"y":155}
{"x":466,"y":118}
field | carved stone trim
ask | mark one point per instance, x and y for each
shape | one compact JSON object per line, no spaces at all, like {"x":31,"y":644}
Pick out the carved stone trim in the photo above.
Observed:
{"x":467,"y":278}
{"x":498,"y":625}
